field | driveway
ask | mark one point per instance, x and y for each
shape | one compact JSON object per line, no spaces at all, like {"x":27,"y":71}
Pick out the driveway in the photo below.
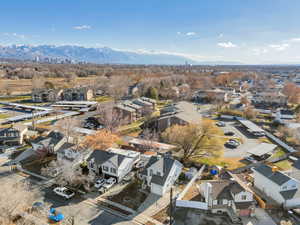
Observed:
{"x":247,"y":142}
{"x":260,"y":218}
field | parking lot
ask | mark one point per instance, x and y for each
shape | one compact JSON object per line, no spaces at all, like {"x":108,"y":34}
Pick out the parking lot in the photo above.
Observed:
{"x":246,"y":141}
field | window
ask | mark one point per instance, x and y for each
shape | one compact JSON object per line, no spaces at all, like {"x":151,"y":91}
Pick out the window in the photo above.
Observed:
{"x":284,"y":187}
{"x":113,"y":170}
{"x":244,"y":197}
{"x":158,"y":173}
{"x":105,"y":168}
{"x":151,"y":172}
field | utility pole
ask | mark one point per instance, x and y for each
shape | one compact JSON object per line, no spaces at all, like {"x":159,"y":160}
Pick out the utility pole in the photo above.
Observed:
{"x":171,"y":206}
{"x":33,"y":120}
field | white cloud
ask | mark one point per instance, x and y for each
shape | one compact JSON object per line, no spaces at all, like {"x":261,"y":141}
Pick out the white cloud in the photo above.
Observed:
{"x":190,"y":34}
{"x":15,"y":35}
{"x":295,"y":40}
{"x":82,"y":27}
{"x":279,"y":47}
{"x":227,"y":44}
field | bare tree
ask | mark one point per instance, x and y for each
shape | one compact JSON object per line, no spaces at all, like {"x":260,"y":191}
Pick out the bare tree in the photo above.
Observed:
{"x":118,"y":86}
{"x":66,"y":126}
{"x":149,"y":139}
{"x":68,"y":173}
{"x":15,"y":199}
{"x":191,"y":138}
{"x":109,"y":117}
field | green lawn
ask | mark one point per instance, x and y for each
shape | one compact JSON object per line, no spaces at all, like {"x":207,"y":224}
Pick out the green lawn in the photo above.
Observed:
{"x":284,"y":165}
{"x":15,"y":98}
{"x":3,"y":116}
{"x":278,"y":153}
{"x":103,"y":98}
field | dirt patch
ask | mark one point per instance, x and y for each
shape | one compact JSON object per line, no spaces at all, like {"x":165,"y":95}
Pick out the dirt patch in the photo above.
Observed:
{"x":130,"y":196}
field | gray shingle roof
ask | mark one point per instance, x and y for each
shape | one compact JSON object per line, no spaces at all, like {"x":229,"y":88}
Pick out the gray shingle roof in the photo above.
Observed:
{"x":103,"y":156}
{"x":65,"y":146}
{"x":288,"y":194}
{"x":52,"y":138}
{"x":277,"y":177}
{"x":164,"y":164}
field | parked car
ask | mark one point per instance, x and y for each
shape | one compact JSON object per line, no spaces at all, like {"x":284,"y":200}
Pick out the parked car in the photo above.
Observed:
{"x":229,"y":133}
{"x":92,"y":123}
{"x":251,"y":159}
{"x":259,"y":134}
{"x":99,"y":183}
{"x":232,"y":143}
{"x":107,"y":185}
{"x":109,"y":182}
{"x":220,"y":124}
{"x":64,"y":192}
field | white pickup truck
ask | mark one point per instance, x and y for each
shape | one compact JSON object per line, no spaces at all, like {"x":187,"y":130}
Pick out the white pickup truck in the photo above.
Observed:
{"x":64,"y":192}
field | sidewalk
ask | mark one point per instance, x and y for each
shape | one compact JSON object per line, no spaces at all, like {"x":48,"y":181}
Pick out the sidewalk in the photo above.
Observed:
{"x":261,"y":218}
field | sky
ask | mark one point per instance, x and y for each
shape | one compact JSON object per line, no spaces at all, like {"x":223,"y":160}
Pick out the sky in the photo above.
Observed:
{"x":247,"y":31}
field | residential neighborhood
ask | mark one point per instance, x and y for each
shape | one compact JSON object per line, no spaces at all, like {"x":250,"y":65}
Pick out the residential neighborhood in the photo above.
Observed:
{"x":228,"y":156}
{"x":150,"y":112}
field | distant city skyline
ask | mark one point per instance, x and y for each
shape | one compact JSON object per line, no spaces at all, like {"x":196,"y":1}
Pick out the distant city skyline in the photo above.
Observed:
{"x":251,"y":32}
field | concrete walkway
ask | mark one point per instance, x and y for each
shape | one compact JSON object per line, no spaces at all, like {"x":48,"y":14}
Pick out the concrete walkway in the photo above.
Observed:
{"x":261,"y":218}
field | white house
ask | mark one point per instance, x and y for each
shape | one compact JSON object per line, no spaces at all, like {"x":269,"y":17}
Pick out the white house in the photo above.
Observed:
{"x":160,"y":173}
{"x":227,"y":196}
{"x":277,"y":185}
{"x":113,"y":162}
{"x":69,"y":152}
{"x":51,"y":143}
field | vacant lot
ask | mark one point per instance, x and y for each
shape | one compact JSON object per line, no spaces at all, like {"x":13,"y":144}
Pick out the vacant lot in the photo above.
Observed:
{"x":130,"y":196}
{"x":24,"y":86}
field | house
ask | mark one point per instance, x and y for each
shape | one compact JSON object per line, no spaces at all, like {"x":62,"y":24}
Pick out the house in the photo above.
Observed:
{"x":146,"y":145}
{"x":51,"y":143}
{"x":160,"y":174}
{"x":77,"y":94}
{"x":68,"y":94}
{"x":228,"y":196}
{"x":131,"y":110}
{"x":181,"y":113}
{"x":285,"y":188}
{"x":125,"y":113}
{"x":13,"y":135}
{"x":69,"y":152}
{"x":112,"y":162}
{"x":205,"y":96}
{"x":137,"y":108}
{"x":46,"y":95}
{"x":269,"y":99}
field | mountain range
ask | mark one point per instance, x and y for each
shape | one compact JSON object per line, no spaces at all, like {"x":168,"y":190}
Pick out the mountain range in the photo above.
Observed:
{"x":96,"y":55}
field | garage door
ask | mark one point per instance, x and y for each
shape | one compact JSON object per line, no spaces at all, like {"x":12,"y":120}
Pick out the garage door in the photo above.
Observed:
{"x":156,"y":189}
